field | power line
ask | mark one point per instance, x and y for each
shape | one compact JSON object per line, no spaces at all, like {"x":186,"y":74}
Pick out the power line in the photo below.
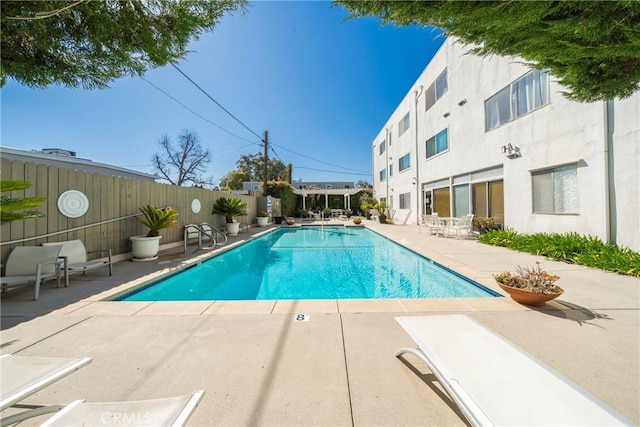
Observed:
{"x":350,"y":171}
{"x":198,"y":115}
{"x":274,"y":152}
{"x":320,"y":161}
{"x":216,"y":102}
{"x":323,"y":170}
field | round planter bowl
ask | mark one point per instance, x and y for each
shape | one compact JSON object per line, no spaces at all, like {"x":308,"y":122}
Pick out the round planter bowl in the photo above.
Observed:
{"x":262,"y":221}
{"x":144,"y":248}
{"x":232,"y":228}
{"x":530,"y":298}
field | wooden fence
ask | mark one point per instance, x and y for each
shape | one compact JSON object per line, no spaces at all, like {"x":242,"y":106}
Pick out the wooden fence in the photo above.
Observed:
{"x":112,"y":202}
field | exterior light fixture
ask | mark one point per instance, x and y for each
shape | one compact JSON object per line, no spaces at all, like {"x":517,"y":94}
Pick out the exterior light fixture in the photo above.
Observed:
{"x":447,"y":114}
{"x":462,"y":102}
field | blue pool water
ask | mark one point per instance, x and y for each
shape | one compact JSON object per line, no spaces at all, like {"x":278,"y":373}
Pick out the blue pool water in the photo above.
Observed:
{"x":313,"y":263}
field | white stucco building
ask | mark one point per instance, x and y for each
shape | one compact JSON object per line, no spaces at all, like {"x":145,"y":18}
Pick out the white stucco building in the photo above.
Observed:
{"x":492,"y":137}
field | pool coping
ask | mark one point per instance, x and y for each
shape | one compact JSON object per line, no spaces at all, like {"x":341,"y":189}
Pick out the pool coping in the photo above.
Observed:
{"x":102,"y":303}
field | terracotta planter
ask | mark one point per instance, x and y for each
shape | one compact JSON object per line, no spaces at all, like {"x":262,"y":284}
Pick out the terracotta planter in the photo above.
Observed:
{"x":530,"y":298}
{"x":291,"y":221}
{"x":357,"y":221}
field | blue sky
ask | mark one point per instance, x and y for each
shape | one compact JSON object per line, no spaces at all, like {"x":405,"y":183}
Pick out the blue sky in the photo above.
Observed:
{"x":322,"y":86}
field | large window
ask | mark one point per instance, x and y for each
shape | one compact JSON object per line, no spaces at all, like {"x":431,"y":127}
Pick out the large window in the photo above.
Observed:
{"x":405,"y":201}
{"x":404,"y":162}
{"x":488,"y":200}
{"x":436,"y":90}
{"x":383,"y":174}
{"x":556,"y":190}
{"x":391,"y":170}
{"x":441,"y":201}
{"x":524,"y":95}
{"x":438,"y":143}
{"x":461,"y":200}
{"x":383,"y":146}
{"x":404,"y":124}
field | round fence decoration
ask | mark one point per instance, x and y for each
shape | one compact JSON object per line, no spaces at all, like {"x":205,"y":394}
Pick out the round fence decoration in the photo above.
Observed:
{"x":195,"y":206}
{"x":73,"y":203}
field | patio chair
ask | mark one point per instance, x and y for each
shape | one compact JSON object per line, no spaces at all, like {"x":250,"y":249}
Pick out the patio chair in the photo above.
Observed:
{"x":76,"y":258}
{"x":173,"y":411}
{"x":31,"y":265}
{"x":434,"y":224}
{"x":461,"y":226}
{"x":493,"y":382}
{"x":22,"y":376}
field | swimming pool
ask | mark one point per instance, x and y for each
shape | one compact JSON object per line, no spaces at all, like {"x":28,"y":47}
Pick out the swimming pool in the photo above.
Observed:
{"x":313,"y":262}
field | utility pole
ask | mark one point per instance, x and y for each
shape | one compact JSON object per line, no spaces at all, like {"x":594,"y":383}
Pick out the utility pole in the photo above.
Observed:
{"x":266,"y":160}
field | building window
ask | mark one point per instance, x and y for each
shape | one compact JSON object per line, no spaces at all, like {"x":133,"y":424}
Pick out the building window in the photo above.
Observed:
{"x":404,"y":124}
{"x":436,"y":90}
{"x":556,"y":190}
{"x":383,"y":174}
{"x":522,"y":96}
{"x":441,"y":201}
{"x":461,"y":200}
{"x":391,"y":170}
{"x":404,"y":162}
{"x":383,"y":146}
{"x":405,"y":201}
{"x":438,"y":143}
{"x":441,"y":85}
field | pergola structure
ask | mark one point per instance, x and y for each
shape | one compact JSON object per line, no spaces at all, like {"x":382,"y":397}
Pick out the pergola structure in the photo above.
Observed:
{"x":344,"y":192}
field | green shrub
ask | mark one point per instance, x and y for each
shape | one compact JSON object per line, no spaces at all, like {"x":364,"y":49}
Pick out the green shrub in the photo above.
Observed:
{"x":571,"y":247}
{"x":283,"y":191}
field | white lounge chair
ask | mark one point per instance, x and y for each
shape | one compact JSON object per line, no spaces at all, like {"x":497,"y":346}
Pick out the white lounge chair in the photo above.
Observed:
{"x":31,"y":265}
{"x":76,"y":258}
{"x":21,"y":376}
{"x":494,"y":382}
{"x":173,"y":411}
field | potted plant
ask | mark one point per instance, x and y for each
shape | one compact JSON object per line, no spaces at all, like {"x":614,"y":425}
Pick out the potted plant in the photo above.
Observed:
{"x":356,"y":220}
{"x":263,"y":219}
{"x":366,"y":204}
{"x":291,"y":221}
{"x":483,"y":224}
{"x":381,"y":207}
{"x":529,"y":285}
{"x":146,"y":248}
{"x":327,"y":213}
{"x":230,"y":208}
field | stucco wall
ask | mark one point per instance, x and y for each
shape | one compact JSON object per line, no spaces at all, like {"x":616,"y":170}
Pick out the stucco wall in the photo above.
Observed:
{"x":561,"y":132}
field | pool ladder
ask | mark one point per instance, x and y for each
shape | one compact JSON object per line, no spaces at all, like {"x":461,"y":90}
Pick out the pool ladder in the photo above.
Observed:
{"x":192,"y":231}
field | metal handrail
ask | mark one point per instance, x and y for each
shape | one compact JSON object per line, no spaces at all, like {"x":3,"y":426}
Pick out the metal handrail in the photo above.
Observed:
{"x":81,"y":227}
{"x":202,"y":232}
{"x":55,"y":233}
{"x":215,"y":230}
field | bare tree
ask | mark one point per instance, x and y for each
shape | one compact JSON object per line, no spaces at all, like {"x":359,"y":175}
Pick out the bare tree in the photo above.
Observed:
{"x":182,"y":164}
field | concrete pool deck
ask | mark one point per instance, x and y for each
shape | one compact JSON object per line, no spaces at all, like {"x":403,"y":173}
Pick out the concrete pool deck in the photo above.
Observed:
{"x":260,"y":367}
